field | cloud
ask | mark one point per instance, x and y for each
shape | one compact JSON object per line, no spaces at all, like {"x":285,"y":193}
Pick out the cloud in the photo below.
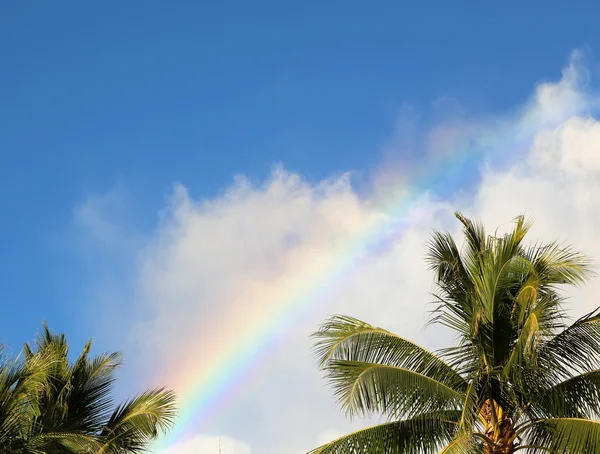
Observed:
{"x":105,"y":239}
{"x":461,"y":142}
{"x":557,"y":185}
{"x":218,"y":271}
{"x":106,"y":220}
{"x":552,"y":102}
{"x":217,"y":275}
{"x":204,"y":444}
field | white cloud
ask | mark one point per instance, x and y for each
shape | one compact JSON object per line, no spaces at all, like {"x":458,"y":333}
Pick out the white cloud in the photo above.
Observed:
{"x":552,"y":102}
{"x":219,"y":269}
{"x":558,"y":184}
{"x":204,"y":444}
{"x":216,"y":271}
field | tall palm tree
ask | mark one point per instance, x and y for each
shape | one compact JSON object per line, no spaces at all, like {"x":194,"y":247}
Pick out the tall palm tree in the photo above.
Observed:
{"x":518,"y":379}
{"x":66,"y":406}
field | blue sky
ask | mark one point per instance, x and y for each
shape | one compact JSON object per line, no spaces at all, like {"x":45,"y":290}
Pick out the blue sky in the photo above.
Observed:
{"x":140,"y":95}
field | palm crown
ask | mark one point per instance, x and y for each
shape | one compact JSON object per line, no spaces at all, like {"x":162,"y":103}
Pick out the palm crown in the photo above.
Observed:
{"x":519,"y":378}
{"x":49,"y":404}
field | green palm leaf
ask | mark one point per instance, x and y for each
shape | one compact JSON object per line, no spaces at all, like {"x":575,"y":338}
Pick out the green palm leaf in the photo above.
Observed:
{"x":565,"y":436}
{"x":348,"y":339}
{"x":463,"y":444}
{"x":578,"y":396}
{"x":420,"y":435}
{"x":575,"y":349}
{"x":368,"y":387}
{"x":138,"y":421}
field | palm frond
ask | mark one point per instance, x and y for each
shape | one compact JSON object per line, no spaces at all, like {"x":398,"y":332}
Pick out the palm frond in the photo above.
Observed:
{"x":564,"y":435}
{"x":63,"y":442}
{"x":136,"y":422}
{"x":364,"y":388}
{"x":475,"y":237}
{"x":344,"y":338}
{"x":577,"y":397}
{"x":463,"y":444}
{"x":557,"y":263}
{"x":576,"y":349}
{"x":420,"y":435}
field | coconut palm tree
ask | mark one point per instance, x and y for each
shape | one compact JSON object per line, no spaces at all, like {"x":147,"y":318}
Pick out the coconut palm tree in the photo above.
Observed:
{"x":519,"y":378}
{"x":54,"y":405}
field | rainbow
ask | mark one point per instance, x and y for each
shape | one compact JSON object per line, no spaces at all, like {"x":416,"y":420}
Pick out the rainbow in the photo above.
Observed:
{"x":228,"y":369}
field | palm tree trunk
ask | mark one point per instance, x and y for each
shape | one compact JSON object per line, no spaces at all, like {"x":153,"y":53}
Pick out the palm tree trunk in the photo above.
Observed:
{"x":500,"y":432}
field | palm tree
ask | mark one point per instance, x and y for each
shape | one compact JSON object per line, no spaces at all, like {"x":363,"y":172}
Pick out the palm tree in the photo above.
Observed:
{"x":518,"y":379}
{"x":66,"y":406}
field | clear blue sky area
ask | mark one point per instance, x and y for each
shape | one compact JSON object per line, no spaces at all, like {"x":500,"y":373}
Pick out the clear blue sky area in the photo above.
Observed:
{"x":148,"y":93}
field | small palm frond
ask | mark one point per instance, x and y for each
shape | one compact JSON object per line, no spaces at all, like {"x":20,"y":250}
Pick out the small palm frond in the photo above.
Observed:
{"x":558,"y":263}
{"x":535,"y":323}
{"x":444,"y":258}
{"x":476,"y":239}
{"x":454,"y":306}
